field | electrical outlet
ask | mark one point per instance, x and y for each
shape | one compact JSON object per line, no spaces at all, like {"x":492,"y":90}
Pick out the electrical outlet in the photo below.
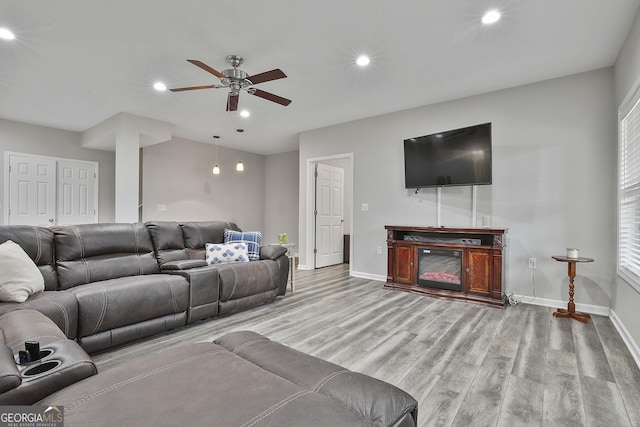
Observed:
{"x":532,"y":263}
{"x":379,"y":250}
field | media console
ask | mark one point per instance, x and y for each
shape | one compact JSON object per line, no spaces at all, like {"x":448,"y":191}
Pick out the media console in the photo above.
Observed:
{"x":455,"y":263}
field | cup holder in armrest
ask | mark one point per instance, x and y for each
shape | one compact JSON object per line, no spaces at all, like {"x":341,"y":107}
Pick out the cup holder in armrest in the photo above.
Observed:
{"x":62,"y":363}
{"x":45,"y":352}
{"x":41,"y":368}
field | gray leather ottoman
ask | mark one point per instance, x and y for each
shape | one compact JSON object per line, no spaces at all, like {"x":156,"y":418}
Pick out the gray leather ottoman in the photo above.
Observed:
{"x":241,"y":379}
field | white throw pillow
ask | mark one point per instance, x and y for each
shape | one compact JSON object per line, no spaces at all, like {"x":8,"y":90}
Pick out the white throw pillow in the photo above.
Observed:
{"x":19,"y":275}
{"x":221,"y":253}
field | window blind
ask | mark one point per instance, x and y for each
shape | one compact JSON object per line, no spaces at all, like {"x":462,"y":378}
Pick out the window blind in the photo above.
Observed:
{"x":629,"y":196}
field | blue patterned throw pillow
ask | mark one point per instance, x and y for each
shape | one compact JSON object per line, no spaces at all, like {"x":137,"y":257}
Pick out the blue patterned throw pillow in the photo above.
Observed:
{"x":251,"y":238}
{"x":222,"y":253}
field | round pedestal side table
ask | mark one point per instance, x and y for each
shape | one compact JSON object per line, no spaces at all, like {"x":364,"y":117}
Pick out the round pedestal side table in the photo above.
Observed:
{"x":292,"y":263}
{"x":571,"y":307}
{"x":290,"y":247}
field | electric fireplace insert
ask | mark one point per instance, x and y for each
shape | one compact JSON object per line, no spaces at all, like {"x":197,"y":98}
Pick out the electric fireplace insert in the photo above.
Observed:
{"x":440,"y":268}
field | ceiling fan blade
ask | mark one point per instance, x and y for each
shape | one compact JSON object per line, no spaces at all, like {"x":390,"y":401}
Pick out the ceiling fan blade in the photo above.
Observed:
{"x":270,"y":97}
{"x":267,"y":76}
{"x":206,"y":68}
{"x":180,"y":89}
{"x":232,"y":101}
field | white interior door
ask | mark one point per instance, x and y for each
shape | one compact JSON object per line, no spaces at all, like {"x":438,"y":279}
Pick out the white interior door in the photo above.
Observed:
{"x":48,"y":191}
{"x":329,"y":213}
{"x":76,"y":192}
{"x":32,"y":190}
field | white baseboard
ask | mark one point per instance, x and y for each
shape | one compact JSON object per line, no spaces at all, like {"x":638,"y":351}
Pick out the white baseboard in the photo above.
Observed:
{"x":626,"y":336}
{"x":369,"y":276}
{"x":545,"y":302}
{"x":302,"y":267}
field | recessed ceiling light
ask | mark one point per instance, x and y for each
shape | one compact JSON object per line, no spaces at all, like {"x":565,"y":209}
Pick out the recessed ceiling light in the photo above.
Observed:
{"x":6,"y":34}
{"x":363,"y":60}
{"x":245,"y":113}
{"x":159,"y":86}
{"x":491,"y":17}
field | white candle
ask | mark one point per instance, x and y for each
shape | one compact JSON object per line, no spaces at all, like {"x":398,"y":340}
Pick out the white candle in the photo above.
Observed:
{"x":572,"y":253}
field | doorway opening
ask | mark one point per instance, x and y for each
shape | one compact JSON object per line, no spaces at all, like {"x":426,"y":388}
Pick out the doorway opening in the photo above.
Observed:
{"x":329,"y":211}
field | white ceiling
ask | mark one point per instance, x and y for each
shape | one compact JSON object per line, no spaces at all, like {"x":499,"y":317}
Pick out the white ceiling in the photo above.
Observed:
{"x":76,"y":63}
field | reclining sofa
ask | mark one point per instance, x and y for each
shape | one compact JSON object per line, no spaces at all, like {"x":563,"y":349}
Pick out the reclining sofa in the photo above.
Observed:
{"x":241,"y":378}
{"x":108,"y":284}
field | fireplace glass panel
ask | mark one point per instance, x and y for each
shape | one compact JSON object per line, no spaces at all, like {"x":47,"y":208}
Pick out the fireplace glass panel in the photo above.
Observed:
{"x":440,"y":268}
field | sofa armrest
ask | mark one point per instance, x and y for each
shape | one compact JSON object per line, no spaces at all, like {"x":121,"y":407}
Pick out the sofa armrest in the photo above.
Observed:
{"x":9,"y":375}
{"x":19,"y":326}
{"x":59,"y":306}
{"x":65,"y":363}
{"x":183,"y":264}
{"x":272,"y":251}
{"x":204,"y":291}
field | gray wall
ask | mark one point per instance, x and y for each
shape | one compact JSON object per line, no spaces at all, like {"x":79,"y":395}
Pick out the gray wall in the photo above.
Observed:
{"x":45,"y":141}
{"x":627,"y":72}
{"x":553,"y":175}
{"x":281,"y":197}
{"x":178,"y":174}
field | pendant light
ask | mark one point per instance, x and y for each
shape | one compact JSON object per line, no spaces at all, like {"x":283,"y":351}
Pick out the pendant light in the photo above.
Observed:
{"x":239,"y":165}
{"x":216,"y":169}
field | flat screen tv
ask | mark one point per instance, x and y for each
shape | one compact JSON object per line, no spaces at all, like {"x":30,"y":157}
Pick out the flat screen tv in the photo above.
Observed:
{"x":455,"y":157}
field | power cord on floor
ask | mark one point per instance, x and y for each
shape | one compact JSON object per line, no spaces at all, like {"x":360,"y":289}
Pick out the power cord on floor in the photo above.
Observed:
{"x":511,"y":298}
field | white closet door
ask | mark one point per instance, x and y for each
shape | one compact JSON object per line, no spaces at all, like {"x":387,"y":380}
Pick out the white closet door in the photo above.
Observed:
{"x":48,"y":191}
{"x":76,"y":192}
{"x":32,"y":190}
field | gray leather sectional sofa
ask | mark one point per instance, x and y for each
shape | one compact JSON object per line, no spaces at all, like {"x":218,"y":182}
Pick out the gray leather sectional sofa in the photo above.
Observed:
{"x":107,"y":284}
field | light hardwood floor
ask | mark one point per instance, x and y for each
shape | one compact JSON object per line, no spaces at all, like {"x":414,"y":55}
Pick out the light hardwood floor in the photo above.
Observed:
{"x":466,"y":364}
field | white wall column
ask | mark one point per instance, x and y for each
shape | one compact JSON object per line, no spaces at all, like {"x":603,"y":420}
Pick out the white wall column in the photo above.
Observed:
{"x":126,"y":134}
{"x":127,"y":174}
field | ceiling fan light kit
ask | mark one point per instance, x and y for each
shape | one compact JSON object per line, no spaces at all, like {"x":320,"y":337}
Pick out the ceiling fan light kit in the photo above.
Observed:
{"x":237,"y":80}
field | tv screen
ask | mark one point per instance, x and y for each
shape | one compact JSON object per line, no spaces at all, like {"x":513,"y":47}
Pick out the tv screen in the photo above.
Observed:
{"x":455,"y":157}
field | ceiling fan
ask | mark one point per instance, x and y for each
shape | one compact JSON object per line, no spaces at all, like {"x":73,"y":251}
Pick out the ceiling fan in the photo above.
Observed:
{"x":236,"y":80}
